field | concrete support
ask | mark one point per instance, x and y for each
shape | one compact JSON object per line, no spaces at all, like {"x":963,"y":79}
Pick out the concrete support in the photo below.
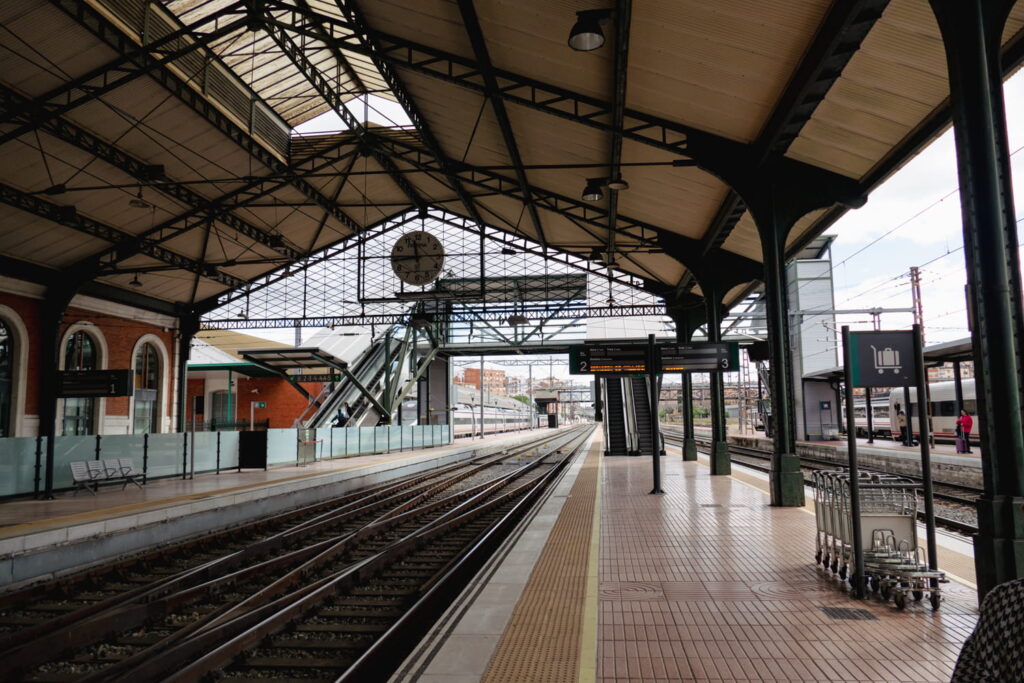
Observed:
{"x":971,"y":31}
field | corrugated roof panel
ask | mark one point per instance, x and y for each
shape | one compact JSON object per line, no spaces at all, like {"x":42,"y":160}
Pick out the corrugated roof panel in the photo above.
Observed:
{"x":718,"y":66}
{"x":744,"y":239}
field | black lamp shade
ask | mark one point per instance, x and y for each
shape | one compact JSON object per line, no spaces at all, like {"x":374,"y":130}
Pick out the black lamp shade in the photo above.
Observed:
{"x":586,"y":33}
{"x":592,"y":192}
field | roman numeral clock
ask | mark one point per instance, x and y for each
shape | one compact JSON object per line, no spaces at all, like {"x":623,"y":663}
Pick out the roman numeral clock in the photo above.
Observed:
{"x":417,"y":258}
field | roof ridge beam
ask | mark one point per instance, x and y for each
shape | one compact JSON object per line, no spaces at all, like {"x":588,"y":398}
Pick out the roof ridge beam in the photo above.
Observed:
{"x":321,"y":83}
{"x":79,"y":137}
{"x":67,"y":216}
{"x":366,"y":38}
{"x":471,"y":23}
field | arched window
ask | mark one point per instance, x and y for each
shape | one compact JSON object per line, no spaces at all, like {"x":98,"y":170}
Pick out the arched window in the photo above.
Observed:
{"x":80,"y":353}
{"x":6,"y":379}
{"x":147,"y":389}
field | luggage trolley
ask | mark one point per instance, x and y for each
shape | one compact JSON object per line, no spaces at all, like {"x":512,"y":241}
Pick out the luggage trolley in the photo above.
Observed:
{"x":893,"y":562}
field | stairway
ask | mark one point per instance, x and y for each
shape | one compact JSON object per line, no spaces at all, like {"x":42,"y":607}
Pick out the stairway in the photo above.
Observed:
{"x":615,"y":420}
{"x":642,"y":409}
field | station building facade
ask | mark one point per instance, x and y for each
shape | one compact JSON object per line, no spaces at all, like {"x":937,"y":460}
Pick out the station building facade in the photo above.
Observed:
{"x":95,"y":335}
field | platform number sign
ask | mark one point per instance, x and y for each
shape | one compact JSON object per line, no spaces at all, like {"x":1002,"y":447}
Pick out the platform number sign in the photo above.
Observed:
{"x":882,"y":359}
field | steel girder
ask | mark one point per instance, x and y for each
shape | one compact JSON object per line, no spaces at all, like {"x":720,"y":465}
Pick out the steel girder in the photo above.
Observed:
{"x":575,"y":210}
{"x":358,"y":22}
{"x":845,"y":27}
{"x":513,"y":241}
{"x":322,"y":84}
{"x":623,"y":19}
{"x":476,"y":38}
{"x":110,"y":34}
{"x":101,"y":149}
{"x":132,"y":62}
{"x":495,"y":315}
{"x":68,"y":217}
{"x":378,"y":229}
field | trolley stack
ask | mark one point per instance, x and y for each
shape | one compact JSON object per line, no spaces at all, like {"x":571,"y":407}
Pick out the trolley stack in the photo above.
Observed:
{"x":894,"y":564}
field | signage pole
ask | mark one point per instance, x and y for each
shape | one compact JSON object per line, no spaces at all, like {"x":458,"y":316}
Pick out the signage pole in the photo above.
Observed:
{"x":857,"y":580}
{"x":926,"y":454}
{"x":652,"y":386}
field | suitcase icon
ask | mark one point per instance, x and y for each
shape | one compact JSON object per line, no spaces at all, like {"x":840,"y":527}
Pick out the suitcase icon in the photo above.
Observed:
{"x":886,"y":359}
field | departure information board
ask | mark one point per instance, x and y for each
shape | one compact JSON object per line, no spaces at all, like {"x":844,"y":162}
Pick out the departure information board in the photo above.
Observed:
{"x":700,"y":357}
{"x":631,"y":359}
{"x":592,"y":359}
{"x":95,"y":383}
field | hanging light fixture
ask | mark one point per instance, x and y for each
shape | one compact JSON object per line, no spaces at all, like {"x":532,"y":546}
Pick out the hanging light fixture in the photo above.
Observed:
{"x":136,"y":282}
{"x":617,"y":183}
{"x":138,"y":202}
{"x":592,"y":192}
{"x":586,"y":33}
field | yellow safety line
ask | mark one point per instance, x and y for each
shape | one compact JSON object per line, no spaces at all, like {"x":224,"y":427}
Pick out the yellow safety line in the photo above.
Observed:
{"x":588,"y":635}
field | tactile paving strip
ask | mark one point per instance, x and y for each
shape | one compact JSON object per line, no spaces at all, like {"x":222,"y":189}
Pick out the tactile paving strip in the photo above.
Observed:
{"x":542,"y":640}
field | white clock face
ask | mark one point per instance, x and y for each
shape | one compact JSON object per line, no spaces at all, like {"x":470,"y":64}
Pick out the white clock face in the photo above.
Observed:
{"x":417,"y":258}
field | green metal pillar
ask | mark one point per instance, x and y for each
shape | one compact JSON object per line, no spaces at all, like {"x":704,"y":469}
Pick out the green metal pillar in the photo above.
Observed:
{"x":720,"y":462}
{"x":684,"y":319}
{"x":785,"y":479}
{"x":188,"y":325}
{"x":51,"y":314}
{"x":971,"y":31}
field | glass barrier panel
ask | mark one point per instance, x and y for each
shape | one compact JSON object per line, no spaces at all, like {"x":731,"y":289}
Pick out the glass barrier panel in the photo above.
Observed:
{"x":205,"y":451}
{"x":165,"y":455}
{"x":18,"y":465}
{"x":127,"y":446}
{"x":68,"y":449}
{"x":352,"y":441}
{"x":325,"y":447}
{"x":228,"y":450}
{"x":366,"y":439}
{"x":394,"y":438}
{"x":282,"y":446}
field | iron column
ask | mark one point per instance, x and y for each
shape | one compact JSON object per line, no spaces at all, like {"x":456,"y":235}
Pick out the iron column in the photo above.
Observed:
{"x":972,"y":31}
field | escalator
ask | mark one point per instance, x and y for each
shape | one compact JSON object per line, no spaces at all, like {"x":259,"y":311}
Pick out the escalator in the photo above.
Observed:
{"x":642,"y":413}
{"x":369,"y":369}
{"x":614,"y":417}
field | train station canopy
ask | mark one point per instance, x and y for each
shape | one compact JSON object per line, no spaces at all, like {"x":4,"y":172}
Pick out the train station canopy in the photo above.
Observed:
{"x":149,"y":149}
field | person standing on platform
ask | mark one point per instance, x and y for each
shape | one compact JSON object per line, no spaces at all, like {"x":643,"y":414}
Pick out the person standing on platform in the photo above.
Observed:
{"x":901,"y":421}
{"x":964,"y":424}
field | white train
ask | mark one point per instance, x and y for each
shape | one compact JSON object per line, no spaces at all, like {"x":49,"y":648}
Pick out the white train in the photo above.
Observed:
{"x":943,"y":409}
{"x":879,"y":420}
{"x":466,"y":419}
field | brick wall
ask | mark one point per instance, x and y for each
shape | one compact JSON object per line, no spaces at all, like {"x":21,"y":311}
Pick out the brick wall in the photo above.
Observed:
{"x":120,"y":335}
{"x":284,"y":403}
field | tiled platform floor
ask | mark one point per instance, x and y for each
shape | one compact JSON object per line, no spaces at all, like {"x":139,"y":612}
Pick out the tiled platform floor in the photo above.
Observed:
{"x":24,"y":515}
{"x":708,"y":582}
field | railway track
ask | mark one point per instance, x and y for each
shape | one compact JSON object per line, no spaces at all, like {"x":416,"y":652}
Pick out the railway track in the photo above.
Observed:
{"x":947,"y":495}
{"x":303,"y":595}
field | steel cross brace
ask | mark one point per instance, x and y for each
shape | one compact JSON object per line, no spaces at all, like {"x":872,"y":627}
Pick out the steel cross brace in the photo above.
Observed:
{"x":132,"y":62}
{"x":322,"y":84}
{"x":357,"y":21}
{"x":146,"y":173}
{"x":110,"y":34}
{"x":69,"y":218}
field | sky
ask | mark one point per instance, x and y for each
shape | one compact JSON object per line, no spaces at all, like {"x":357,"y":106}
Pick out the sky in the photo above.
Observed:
{"x":913,"y":219}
